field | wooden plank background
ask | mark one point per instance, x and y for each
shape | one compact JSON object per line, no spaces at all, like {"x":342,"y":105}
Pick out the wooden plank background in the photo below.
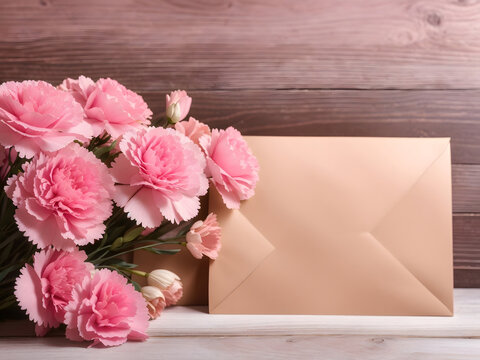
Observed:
{"x":283,"y":67}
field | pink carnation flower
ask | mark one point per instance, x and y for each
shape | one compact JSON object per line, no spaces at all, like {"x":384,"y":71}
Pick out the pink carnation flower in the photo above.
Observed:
{"x":178,"y":105}
{"x":62,"y":198}
{"x":109,"y":105}
{"x":35,"y":116}
{"x":192,"y":129}
{"x":107,"y":310}
{"x":81,"y":89}
{"x":45,"y":288}
{"x":231,"y":165}
{"x":160,"y":173}
{"x":204,"y":238}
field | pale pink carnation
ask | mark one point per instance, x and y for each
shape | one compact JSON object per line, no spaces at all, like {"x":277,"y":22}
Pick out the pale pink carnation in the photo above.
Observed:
{"x":45,"y":288}
{"x":35,"y":116}
{"x":7,"y":156}
{"x":173,"y":293}
{"x":81,"y":89}
{"x":178,"y":105}
{"x":169,"y":283}
{"x":192,"y":129}
{"x":62,"y":198}
{"x":155,"y":300}
{"x":160,"y":173}
{"x":204,"y":238}
{"x":109,"y":105}
{"x":231,"y":165}
{"x":106,"y":310}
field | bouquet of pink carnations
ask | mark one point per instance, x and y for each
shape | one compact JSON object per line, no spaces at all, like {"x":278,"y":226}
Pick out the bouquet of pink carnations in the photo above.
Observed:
{"x":88,"y":177}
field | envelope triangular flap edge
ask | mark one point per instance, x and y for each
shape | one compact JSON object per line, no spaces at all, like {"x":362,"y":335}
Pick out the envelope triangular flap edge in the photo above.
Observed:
{"x":244,"y":249}
{"x":425,"y":233}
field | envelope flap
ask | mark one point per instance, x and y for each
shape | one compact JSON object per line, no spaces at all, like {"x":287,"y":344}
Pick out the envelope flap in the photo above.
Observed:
{"x":244,"y":248}
{"x":424,"y":233}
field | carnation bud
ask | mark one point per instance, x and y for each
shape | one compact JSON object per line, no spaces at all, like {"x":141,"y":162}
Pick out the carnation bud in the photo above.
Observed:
{"x":155,"y":300}
{"x":132,"y":234}
{"x":162,"y":278}
{"x":117,"y":243}
{"x":178,"y":105}
{"x":151,"y":293}
{"x":174,"y":112}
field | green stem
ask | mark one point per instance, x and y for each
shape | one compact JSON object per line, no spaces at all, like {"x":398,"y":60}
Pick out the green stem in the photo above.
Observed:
{"x":135,"y":272}
{"x":139,"y":248}
{"x":165,"y":241}
{"x":125,"y":270}
{"x":97,"y":251}
{"x":100,"y":257}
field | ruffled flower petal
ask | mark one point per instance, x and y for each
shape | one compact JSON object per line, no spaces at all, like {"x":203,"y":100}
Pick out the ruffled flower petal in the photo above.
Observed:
{"x":107,"y":311}
{"x":35,"y":117}
{"x":168,"y":179}
{"x":62,"y":198}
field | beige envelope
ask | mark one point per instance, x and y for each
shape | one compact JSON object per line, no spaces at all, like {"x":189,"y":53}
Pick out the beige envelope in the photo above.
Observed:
{"x":339,"y":225}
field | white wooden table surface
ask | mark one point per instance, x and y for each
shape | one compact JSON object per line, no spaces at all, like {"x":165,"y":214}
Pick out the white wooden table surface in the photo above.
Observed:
{"x":191,"y":333}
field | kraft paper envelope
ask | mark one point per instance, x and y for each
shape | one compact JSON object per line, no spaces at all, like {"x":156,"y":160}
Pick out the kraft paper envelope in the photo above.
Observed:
{"x":339,"y":225}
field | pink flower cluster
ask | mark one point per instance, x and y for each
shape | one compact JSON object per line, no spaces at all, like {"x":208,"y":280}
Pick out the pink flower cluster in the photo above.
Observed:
{"x":64,"y":196}
{"x":102,"y":308}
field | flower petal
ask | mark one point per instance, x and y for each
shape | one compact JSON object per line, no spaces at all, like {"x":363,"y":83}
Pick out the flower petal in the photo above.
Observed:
{"x":143,"y":209}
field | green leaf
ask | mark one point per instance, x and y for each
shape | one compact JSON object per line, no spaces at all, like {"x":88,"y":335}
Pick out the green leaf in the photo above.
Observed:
{"x":135,"y":285}
{"x":12,"y":237}
{"x":117,"y":231}
{"x":7,"y":271}
{"x":6,"y":252}
{"x":116,"y":262}
{"x":98,"y":152}
{"x":163,"y":251}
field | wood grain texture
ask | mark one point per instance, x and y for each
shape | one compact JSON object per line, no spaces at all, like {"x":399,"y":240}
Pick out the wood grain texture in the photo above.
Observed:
{"x":246,"y":347}
{"x":466,"y":188}
{"x":232,"y":44}
{"x":195,"y":321}
{"x":466,"y":250}
{"x":452,"y":114}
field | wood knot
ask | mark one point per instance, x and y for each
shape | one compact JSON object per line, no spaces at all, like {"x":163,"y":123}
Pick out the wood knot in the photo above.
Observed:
{"x":466,"y":2}
{"x":378,"y":340}
{"x":434,"y":19}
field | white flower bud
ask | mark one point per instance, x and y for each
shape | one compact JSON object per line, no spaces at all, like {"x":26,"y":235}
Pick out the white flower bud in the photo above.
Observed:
{"x":162,"y":278}
{"x":151,"y":293}
{"x":174,"y":112}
